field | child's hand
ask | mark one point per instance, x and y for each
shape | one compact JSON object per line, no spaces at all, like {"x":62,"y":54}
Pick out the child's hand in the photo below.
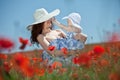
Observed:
{"x":54,"y":21}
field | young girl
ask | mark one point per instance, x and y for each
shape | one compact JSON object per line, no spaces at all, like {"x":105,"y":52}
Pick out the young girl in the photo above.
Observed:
{"x":73,"y":26}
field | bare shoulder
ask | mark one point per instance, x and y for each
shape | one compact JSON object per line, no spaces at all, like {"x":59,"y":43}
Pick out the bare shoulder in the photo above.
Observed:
{"x":42,"y":40}
{"x":40,"y":37}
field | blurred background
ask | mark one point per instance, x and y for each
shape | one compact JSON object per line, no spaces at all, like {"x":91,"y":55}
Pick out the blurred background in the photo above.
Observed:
{"x":99,"y":17}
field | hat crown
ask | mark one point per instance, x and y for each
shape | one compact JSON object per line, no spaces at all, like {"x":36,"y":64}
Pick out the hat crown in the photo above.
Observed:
{"x":75,"y":17}
{"x":39,"y":13}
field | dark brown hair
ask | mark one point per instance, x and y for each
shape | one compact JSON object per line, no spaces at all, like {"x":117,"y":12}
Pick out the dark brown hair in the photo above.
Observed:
{"x":36,"y":30}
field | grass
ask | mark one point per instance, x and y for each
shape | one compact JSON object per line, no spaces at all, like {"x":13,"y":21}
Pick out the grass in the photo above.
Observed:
{"x":103,"y":63}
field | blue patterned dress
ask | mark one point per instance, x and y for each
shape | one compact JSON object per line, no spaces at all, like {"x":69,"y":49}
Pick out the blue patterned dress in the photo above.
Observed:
{"x":69,"y":42}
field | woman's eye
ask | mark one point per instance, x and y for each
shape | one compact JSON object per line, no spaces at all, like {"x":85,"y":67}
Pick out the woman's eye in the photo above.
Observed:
{"x":48,"y":22}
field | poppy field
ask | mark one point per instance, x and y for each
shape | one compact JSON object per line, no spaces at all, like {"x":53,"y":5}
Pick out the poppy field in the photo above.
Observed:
{"x":95,"y":62}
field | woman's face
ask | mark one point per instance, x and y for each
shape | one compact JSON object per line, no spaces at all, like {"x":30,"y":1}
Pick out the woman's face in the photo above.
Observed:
{"x":47,"y":26}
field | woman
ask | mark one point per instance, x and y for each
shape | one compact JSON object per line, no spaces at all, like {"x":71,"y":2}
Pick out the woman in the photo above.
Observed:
{"x":43,"y":34}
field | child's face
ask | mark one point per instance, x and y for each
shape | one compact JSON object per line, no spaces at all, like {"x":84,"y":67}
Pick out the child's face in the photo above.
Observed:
{"x":69,"y":21}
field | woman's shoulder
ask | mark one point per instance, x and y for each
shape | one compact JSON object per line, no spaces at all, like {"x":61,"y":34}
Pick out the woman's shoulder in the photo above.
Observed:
{"x":40,"y":36}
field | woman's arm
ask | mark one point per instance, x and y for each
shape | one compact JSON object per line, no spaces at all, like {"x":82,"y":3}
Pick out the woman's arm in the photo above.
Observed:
{"x":45,"y":44}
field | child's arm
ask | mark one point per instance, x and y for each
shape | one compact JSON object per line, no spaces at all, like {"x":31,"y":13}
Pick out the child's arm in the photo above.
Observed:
{"x":68,"y":28}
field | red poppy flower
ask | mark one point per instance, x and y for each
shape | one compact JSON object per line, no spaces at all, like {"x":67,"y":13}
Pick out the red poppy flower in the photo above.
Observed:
{"x":75,"y":75}
{"x":28,"y":71}
{"x":23,"y":42}
{"x":64,"y":50}
{"x":40,"y":59}
{"x":49,"y":69}
{"x":82,"y":59}
{"x":76,"y":60}
{"x":104,"y":62}
{"x":3,"y":56}
{"x":40,"y":71}
{"x":114,"y":76}
{"x":91,"y":53}
{"x":21,"y":61}
{"x":56,"y":64}
{"x":7,"y":67}
{"x":62,"y":70}
{"x":35,"y":59}
{"x":98,"y":50}
{"x":51,"y":48}
{"x":6,"y":43}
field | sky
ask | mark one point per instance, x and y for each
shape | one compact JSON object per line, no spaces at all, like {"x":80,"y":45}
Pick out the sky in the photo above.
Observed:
{"x":98,"y":17}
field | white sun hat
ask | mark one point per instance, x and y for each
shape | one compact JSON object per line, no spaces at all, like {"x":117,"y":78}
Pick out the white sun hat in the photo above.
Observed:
{"x":75,"y":18}
{"x":42,"y":15}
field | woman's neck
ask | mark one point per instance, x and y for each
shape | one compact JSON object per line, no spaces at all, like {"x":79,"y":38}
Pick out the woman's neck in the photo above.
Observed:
{"x":44,"y":33}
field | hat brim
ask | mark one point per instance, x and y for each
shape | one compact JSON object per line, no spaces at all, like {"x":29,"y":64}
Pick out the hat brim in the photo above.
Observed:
{"x":78,"y":26}
{"x":66,"y":17}
{"x":45,"y":18}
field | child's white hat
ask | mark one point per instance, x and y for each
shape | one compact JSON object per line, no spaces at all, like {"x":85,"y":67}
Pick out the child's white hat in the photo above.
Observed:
{"x":75,"y":18}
